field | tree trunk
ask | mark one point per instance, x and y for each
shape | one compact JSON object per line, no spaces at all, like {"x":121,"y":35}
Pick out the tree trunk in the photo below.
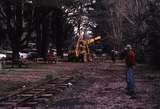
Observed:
{"x":18,"y":30}
{"x":45,"y":39}
{"x":57,"y":26}
{"x":38,"y":29}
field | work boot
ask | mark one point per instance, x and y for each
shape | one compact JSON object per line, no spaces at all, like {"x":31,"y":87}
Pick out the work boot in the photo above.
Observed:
{"x":132,"y":94}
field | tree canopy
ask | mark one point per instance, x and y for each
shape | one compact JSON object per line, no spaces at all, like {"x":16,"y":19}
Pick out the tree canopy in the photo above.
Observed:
{"x":58,"y":24}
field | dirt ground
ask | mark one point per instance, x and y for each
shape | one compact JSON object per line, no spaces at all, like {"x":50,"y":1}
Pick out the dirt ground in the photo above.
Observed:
{"x":101,"y":85}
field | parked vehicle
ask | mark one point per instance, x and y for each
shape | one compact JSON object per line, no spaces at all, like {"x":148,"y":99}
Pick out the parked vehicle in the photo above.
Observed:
{"x":2,"y":56}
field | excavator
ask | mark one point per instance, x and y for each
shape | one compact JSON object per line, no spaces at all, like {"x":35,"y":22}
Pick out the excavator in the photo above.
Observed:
{"x":81,"y":51}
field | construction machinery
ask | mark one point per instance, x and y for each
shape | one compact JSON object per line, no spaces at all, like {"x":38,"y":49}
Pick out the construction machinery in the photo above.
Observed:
{"x":81,"y":51}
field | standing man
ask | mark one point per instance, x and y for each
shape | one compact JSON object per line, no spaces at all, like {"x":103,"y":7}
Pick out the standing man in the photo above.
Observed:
{"x":130,"y":62}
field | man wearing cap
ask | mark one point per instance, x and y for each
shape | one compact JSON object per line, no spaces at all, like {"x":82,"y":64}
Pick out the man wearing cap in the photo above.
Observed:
{"x":130,"y":62}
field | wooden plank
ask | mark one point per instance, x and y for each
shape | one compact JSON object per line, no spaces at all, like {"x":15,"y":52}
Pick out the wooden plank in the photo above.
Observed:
{"x":31,"y":103}
{"x":8,"y":103}
{"x":26,"y":95}
{"x":24,"y":107}
{"x":47,"y":95}
{"x":39,"y":89}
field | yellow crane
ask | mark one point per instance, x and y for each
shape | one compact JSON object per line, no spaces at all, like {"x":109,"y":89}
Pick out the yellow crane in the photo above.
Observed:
{"x":81,"y":51}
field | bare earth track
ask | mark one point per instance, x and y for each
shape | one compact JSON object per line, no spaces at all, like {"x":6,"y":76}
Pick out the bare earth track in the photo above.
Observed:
{"x":100,"y":85}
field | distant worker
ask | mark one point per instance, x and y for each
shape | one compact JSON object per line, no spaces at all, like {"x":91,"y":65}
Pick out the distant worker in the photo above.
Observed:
{"x":83,"y":53}
{"x":130,"y":60}
{"x":113,"y":56}
{"x":123,"y":53}
{"x":50,"y":56}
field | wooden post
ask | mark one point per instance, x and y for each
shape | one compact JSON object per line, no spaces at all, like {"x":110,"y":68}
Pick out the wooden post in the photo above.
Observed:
{"x":0,"y":65}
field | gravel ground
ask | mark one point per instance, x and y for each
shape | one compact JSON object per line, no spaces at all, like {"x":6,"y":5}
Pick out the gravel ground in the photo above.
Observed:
{"x":101,"y":86}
